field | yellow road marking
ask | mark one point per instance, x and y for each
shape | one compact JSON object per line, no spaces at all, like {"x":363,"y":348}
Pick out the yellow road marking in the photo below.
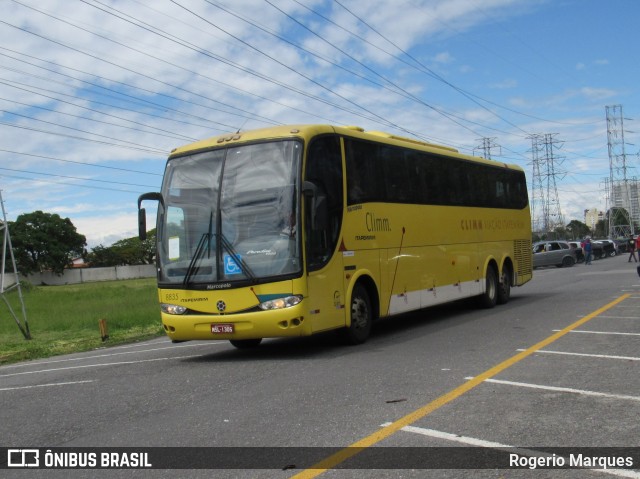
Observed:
{"x":378,"y":436}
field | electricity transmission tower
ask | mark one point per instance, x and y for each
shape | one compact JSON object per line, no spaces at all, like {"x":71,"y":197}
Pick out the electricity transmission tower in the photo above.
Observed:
{"x":622,"y":190}
{"x":546,"y":214}
{"x":487,"y":145}
{"x":21,"y":321}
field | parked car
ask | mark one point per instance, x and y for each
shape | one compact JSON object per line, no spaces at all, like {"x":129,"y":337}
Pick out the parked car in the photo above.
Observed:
{"x":577,"y":247}
{"x":623,"y":245}
{"x":556,"y":253}
{"x":609,"y":247}
{"x":597,"y":250}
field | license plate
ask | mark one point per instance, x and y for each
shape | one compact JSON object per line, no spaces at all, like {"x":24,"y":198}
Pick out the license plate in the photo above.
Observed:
{"x":222,"y":328}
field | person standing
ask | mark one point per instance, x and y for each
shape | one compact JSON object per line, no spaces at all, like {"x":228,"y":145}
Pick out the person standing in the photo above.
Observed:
{"x":631,"y":244}
{"x":587,"y":251}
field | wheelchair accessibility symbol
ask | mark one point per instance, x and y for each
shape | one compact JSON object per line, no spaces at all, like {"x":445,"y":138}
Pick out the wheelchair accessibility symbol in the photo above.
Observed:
{"x":230,"y":265}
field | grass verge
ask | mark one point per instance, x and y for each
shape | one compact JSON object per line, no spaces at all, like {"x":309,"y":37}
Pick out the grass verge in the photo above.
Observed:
{"x":65,"y":319}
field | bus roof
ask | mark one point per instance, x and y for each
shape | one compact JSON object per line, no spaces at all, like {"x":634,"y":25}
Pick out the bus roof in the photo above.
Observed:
{"x":306,"y":131}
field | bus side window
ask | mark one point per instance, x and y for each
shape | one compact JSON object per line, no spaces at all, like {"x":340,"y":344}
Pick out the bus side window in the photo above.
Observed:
{"x":175,"y":233}
{"x":324,"y":170}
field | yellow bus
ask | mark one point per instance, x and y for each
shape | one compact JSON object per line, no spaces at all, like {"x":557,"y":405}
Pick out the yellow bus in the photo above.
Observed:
{"x":295,"y":230}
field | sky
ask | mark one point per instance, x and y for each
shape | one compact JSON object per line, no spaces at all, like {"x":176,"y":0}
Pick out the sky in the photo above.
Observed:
{"x":94,"y":94}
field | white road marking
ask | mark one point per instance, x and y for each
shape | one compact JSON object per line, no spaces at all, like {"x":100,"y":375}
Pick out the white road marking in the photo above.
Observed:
{"x":563,"y":390}
{"x":97,"y":356}
{"x":602,"y":332}
{"x":618,"y":317}
{"x":100,"y":365}
{"x":46,"y":385}
{"x":602,"y":356}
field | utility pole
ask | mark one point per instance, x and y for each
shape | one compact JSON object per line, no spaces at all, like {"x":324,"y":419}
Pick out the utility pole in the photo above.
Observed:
{"x":622,"y":192}
{"x":538,"y":203}
{"x":22,"y":323}
{"x":486,"y":146}
{"x":546,"y":213}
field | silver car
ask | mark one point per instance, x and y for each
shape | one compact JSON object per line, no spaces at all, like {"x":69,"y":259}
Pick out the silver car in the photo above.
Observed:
{"x":553,"y":253}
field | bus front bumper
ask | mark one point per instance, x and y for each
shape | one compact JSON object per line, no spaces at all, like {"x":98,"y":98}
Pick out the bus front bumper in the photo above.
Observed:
{"x":285,"y":322}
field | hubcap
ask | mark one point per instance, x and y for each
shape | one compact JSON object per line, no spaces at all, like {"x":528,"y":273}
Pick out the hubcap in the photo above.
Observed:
{"x":359,"y":313}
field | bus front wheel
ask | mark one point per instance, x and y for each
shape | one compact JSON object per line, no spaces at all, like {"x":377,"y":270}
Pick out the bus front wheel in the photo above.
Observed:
{"x":361,"y":316}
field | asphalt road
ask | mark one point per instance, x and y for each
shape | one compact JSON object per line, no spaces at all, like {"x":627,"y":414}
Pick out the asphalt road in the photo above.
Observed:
{"x":444,"y":377}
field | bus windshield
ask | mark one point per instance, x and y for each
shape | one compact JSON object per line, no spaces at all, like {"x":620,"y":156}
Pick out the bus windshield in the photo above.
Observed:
{"x":231,"y":215}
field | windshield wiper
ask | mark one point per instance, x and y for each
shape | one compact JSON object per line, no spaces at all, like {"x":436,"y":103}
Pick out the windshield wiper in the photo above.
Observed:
{"x":194,"y":264}
{"x":224,"y":242}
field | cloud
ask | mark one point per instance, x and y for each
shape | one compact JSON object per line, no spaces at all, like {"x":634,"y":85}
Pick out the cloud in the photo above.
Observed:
{"x":598,"y":63}
{"x":106,"y":229}
{"x":444,"y":57}
{"x":506,"y":84}
{"x":124,"y":104}
{"x":598,"y":94}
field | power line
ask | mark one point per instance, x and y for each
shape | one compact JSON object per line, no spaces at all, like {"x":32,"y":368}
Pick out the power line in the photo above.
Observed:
{"x":176,"y":87}
{"x":62,"y":135}
{"x":130,"y":143}
{"x":401,"y":91}
{"x":76,"y":178}
{"x":128,"y":98}
{"x":190,"y":46}
{"x":31,"y":179}
{"x":430,"y":71}
{"x":398,"y":91}
{"x":306,"y":77}
{"x":80,"y":163}
{"x":188,"y":95}
{"x":164,"y":133}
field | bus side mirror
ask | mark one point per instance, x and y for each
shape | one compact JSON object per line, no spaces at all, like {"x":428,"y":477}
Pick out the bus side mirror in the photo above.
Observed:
{"x":142,"y":214}
{"x":318,"y":205}
{"x":142,"y":224}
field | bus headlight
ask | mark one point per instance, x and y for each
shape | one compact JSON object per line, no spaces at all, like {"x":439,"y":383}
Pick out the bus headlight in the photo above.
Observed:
{"x":172,"y":308}
{"x":281,"y":303}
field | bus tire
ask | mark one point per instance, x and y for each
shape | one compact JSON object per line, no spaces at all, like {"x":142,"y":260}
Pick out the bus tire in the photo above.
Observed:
{"x":489,"y":298}
{"x":504,"y":287}
{"x":246,"y":343}
{"x":361,"y":316}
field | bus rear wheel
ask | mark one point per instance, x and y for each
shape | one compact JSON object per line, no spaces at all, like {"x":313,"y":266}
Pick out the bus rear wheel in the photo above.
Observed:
{"x":504,"y":287}
{"x":245,"y":343}
{"x":361,"y":316}
{"x":489,"y":298}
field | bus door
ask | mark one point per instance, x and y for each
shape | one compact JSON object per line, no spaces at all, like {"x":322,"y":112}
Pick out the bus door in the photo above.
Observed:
{"x":326,"y":296}
{"x":324,"y":203}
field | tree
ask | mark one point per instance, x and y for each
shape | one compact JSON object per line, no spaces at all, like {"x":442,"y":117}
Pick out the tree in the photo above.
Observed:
{"x":103,"y":256}
{"x":559,"y":232}
{"x":45,"y":241}
{"x":578,"y":229}
{"x":601,"y":229}
{"x":129,"y":251}
{"x":134,"y":251}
